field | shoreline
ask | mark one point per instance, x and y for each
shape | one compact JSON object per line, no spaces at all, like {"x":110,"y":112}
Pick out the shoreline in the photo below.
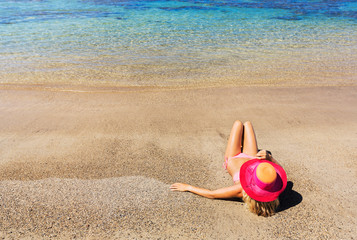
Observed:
{"x":98,"y":165}
{"x":152,"y":88}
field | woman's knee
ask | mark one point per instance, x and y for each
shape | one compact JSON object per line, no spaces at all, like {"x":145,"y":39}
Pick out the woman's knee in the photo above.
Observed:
{"x":238,"y":123}
{"x":248,"y":124}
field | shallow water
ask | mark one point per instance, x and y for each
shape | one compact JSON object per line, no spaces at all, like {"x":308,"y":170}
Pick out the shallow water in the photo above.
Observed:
{"x":178,"y":43}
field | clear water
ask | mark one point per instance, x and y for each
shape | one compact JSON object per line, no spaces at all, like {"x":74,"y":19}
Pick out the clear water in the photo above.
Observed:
{"x":175,"y":43}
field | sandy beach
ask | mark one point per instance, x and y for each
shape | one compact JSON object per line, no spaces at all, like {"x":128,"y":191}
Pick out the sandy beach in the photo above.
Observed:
{"x":98,"y":165}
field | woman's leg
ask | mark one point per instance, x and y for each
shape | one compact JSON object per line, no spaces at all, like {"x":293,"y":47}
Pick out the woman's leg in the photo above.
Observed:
{"x":234,"y":145}
{"x":250,"y":145}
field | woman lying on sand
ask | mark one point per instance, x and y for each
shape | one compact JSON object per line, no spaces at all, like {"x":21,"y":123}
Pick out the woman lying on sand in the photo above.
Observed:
{"x":258,"y":178}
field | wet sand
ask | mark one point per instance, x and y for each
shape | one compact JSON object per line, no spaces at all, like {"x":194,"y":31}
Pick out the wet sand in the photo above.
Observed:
{"x":98,"y":165}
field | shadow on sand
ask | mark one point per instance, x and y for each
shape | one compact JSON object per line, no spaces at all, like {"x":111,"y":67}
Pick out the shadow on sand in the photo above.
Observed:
{"x":289,"y":198}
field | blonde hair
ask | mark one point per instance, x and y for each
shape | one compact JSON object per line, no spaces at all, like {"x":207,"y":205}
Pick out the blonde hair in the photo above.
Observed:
{"x":265,"y":209}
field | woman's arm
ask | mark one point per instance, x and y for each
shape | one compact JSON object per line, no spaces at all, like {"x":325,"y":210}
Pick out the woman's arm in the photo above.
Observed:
{"x":227,"y":192}
{"x":264,"y":154}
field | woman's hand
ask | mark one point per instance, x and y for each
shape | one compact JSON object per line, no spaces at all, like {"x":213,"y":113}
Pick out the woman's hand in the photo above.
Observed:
{"x":181,"y":187}
{"x":264,"y":154}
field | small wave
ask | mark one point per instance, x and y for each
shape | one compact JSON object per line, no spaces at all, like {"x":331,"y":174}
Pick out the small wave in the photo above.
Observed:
{"x":187,"y":8}
{"x":289,"y":18}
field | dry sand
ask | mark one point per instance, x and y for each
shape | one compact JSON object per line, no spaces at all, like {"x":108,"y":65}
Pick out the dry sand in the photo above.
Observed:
{"x":99,"y":165}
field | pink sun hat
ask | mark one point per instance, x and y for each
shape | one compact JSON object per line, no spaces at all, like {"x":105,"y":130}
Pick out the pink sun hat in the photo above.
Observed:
{"x":262,"y":180}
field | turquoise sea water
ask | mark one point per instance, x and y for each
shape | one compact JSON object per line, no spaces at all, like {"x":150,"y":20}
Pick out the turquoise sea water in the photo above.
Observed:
{"x":186,"y":42}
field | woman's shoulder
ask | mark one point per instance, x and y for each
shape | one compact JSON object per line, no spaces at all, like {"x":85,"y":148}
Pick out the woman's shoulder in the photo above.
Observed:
{"x":237,"y":185}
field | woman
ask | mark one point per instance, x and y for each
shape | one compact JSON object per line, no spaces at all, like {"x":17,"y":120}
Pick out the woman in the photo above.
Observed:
{"x":258,"y":178}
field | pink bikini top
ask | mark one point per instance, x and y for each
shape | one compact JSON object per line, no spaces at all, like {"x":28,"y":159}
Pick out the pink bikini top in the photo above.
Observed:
{"x":236,"y":177}
{"x":240,"y":155}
